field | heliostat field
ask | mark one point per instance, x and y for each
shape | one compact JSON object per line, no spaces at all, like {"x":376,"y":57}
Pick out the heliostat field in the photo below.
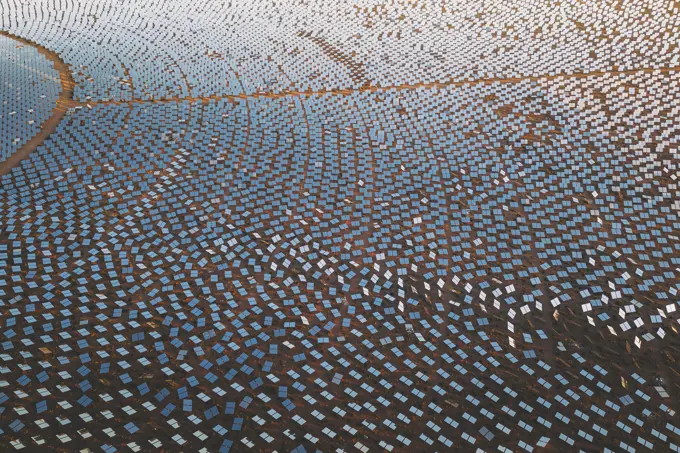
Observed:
{"x":301,"y":226}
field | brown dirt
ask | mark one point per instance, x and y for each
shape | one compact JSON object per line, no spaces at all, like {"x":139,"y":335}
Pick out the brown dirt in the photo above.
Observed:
{"x":411,"y":86}
{"x":356,"y":70}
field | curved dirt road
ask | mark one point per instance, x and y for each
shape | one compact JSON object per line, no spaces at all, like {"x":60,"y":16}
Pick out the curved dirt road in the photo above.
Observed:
{"x":64,"y":102}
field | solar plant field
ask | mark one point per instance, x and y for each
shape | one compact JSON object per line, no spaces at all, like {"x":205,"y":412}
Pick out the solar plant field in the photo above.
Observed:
{"x":339,"y":226}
